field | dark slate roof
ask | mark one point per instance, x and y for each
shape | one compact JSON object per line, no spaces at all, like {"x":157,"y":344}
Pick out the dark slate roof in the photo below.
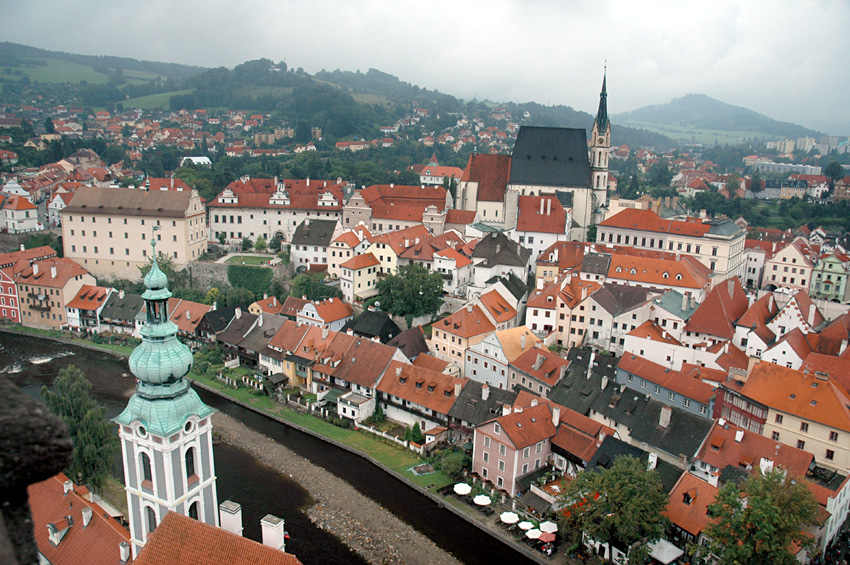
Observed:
{"x":550,"y":157}
{"x":220,"y":317}
{"x":236,"y":329}
{"x":683,"y":436}
{"x":498,"y":249}
{"x":596,"y":263}
{"x":579,"y":390}
{"x":612,"y":448}
{"x":724,"y":227}
{"x":126,"y":308}
{"x":258,"y":338}
{"x":565,"y":198}
{"x":472,"y":408}
{"x":512,"y":282}
{"x":373,"y":324}
{"x":410,"y":342}
{"x":620,"y":404}
{"x":602,"y":112}
{"x":317,"y":232}
{"x":618,"y":298}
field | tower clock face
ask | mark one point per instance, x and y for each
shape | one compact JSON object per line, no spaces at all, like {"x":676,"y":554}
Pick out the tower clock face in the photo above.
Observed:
{"x":601,"y":140}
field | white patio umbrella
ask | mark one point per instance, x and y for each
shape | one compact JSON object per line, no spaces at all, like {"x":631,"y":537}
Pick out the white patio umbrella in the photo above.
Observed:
{"x":509,"y":517}
{"x":550,"y":527}
{"x":482,"y":500}
{"x":525,"y":525}
{"x":533,"y":534}
{"x":462,"y":489}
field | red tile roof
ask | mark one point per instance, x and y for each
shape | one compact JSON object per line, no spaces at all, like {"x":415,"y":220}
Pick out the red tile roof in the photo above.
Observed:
{"x":186,"y":314}
{"x":427,"y":361}
{"x":687,"y":386}
{"x":466,"y":324}
{"x":543,"y":214}
{"x":89,"y":298}
{"x":400,"y":202}
{"x":491,"y":172}
{"x":422,"y":386}
{"x":528,"y":426}
{"x":499,"y":309}
{"x":271,"y":305}
{"x":647,"y":220}
{"x":291,"y":306}
{"x":757,"y":316}
{"x":688,"y":504}
{"x":15,"y":202}
{"x":460,"y":216}
{"x":66,"y":269}
{"x":652,"y":331}
{"x":96,"y":544}
{"x":333,"y":309}
{"x":180,"y":540}
{"x":807,"y":396}
{"x":289,"y":336}
{"x":459,"y":259}
{"x":687,"y":272}
{"x":717,"y":314}
{"x":360,"y":262}
{"x":542,"y":364}
{"x":9,"y":259}
{"x":722,"y":448}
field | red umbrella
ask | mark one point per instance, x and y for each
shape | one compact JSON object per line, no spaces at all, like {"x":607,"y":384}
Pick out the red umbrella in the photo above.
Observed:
{"x":547,"y":537}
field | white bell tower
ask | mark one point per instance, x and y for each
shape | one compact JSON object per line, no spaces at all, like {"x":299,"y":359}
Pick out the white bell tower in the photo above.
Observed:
{"x":600,"y":145}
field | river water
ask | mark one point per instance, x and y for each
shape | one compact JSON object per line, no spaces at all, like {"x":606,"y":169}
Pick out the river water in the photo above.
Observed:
{"x":32,"y":363}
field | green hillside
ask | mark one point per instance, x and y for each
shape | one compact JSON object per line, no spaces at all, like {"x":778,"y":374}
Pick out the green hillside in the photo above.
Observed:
{"x":702,"y":119}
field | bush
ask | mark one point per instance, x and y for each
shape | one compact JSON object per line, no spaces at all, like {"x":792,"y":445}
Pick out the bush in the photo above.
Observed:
{"x":255,"y":279}
{"x":453,"y":464}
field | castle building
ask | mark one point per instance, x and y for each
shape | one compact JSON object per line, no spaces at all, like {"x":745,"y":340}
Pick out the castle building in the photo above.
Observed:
{"x":165,"y":430}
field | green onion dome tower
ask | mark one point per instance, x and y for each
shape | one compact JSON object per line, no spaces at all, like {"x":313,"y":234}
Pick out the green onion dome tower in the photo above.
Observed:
{"x":165,"y":430}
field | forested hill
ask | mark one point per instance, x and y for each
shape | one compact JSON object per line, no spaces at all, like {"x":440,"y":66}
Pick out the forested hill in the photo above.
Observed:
{"x":14,"y":54}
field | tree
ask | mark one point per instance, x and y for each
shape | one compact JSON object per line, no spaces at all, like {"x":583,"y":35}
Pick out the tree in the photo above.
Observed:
{"x":761,"y":520}
{"x":413,"y":434}
{"x":619,"y":506}
{"x":235,"y":296}
{"x":660,"y":175}
{"x":834,"y":171}
{"x":260,"y":245}
{"x":212,"y":296}
{"x":94,"y":439}
{"x":166,"y":265}
{"x":414,"y":291}
{"x":453,"y":464}
{"x":247,"y":244}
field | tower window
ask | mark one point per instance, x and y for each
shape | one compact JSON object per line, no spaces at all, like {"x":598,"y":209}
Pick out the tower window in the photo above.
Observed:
{"x":147,"y":475}
{"x":194,"y":510}
{"x":191,"y":477}
{"x":151,"y":515}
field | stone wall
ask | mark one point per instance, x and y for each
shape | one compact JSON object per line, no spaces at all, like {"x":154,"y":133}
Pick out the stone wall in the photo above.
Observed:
{"x":205,"y":275}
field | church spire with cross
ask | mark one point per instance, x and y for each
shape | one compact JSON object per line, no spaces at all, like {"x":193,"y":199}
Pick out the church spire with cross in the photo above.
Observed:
{"x":600,"y":146}
{"x":165,"y":430}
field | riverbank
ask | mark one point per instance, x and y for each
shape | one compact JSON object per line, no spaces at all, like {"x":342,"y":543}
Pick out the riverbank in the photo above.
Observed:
{"x":361,"y":524}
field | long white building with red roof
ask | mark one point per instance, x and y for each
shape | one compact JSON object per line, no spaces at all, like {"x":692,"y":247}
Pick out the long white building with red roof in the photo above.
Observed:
{"x":271,"y":207}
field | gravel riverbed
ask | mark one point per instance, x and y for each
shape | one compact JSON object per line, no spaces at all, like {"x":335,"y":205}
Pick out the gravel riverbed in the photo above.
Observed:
{"x":366,"y":527}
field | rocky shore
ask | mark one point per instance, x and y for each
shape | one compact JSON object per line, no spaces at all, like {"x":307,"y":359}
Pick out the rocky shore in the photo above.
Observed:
{"x":371,"y":530}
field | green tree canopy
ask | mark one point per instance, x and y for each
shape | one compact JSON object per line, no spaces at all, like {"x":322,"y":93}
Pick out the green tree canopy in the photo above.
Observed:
{"x":414,"y":291}
{"x":261,"y":244}
{"x":620,"y":506}
{"x":94,"y":438}
{"x":834,"y":171}
{"x":760,"y":521}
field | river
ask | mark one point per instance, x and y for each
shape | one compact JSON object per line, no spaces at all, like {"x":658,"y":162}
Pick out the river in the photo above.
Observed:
{"x":32,"y":362}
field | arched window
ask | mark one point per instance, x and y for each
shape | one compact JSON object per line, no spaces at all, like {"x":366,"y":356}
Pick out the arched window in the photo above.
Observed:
{"x":151,"y":516}
{"x":194,"y":510}
{"x":190,"y":463}
{"x":147,"y":475}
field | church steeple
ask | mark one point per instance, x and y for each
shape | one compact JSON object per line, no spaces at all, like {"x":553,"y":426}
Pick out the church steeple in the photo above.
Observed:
{"x":602,"y":113}
{"x":165,"y":430}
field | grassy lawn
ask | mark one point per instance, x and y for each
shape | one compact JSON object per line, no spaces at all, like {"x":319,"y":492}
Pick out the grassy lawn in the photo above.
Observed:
{"x":392,"y":456}
{"x":153,"y":100}
{"x":249,"y":260}
{"x":123,"y":349}
{"x":59,"y":71}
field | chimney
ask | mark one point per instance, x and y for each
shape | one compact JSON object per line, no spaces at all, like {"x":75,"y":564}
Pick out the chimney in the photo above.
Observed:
{"x":693,"y":301}
{"x":684,"y":302}
{"x":522,"y":341}
{"x":230,"y":517}
{"x":214,"y":305}
{"x":548,"y":206}
{"x":265,"y":296}
{"x":843,"y":347}
{"x":238,"y":313}
{"x":556,"y":416}
{"x":274,"y":300}
{"x":770,"y":302}
{"x":533,"y":402}
{"x":542,"y":204}
{"x":538,"y":362}
{"x":259,"y":318}
{"x":86,"y":516}
{"x":121,"y":294}
{"x":469,"y":307}
{"x":22,"y":247}
{"x":325,"y":332}
{"x":35,"y":269}
{"x":485,"y":392}
{"x":540,"y":284}
{"x":498,"y":247}
{"x":562,"y":371}
{"x":652,"y":462}
{"x":124,"y":551}
{"x":604,"y":383}
{"x":398,"y":371}
{"x":457,"y":389}
{"x":273,"y":533}
{"x":739,"y":435}
{"x":53,"y":272}
{"x":308,"y":181}
{"x":67,"y":487}
{"x":730,"y":288}
{"x":766,"y":465}
{"x":664,"y":418}
{"x":812,"y":310}
{"x":664,"y":334}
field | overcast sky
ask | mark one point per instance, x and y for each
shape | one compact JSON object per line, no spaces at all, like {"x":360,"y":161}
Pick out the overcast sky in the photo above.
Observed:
{"x":788,"y":59}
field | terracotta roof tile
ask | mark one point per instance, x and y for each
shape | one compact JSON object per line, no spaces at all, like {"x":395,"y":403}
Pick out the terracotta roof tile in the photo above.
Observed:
{"x":66,"y":269}
{"x":552,"y":218}
{"x":528,"y":425}
{"x":688,"y":504}
{"x":717,"y":314}
{"x":422,"y":386}
{"x":360,"y":262}
{"x":491,"y":172}
{"x":333,"y":309}
{"x":89,"y":298}
{"x":186,"y":314}
{"x":498,"y":308}
{"x":180,"y":540}
{"x":542,"y":364}
{"x":427,"y":361}
{"x":687,"y":272}
{"x":466,"y":323}
{"x":673,"y":380}
{"x":647,"y":220}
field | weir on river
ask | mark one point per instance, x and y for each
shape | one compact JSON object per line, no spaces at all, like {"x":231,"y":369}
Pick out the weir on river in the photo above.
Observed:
{"x":33,"y":362}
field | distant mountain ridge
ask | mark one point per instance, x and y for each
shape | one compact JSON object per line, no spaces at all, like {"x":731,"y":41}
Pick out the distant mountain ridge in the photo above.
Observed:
{"x":698,"y":111}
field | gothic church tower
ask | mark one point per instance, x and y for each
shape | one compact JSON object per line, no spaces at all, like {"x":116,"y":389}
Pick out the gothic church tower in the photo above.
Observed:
{"x":165,"y":430}
{"x":600,"y":143}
